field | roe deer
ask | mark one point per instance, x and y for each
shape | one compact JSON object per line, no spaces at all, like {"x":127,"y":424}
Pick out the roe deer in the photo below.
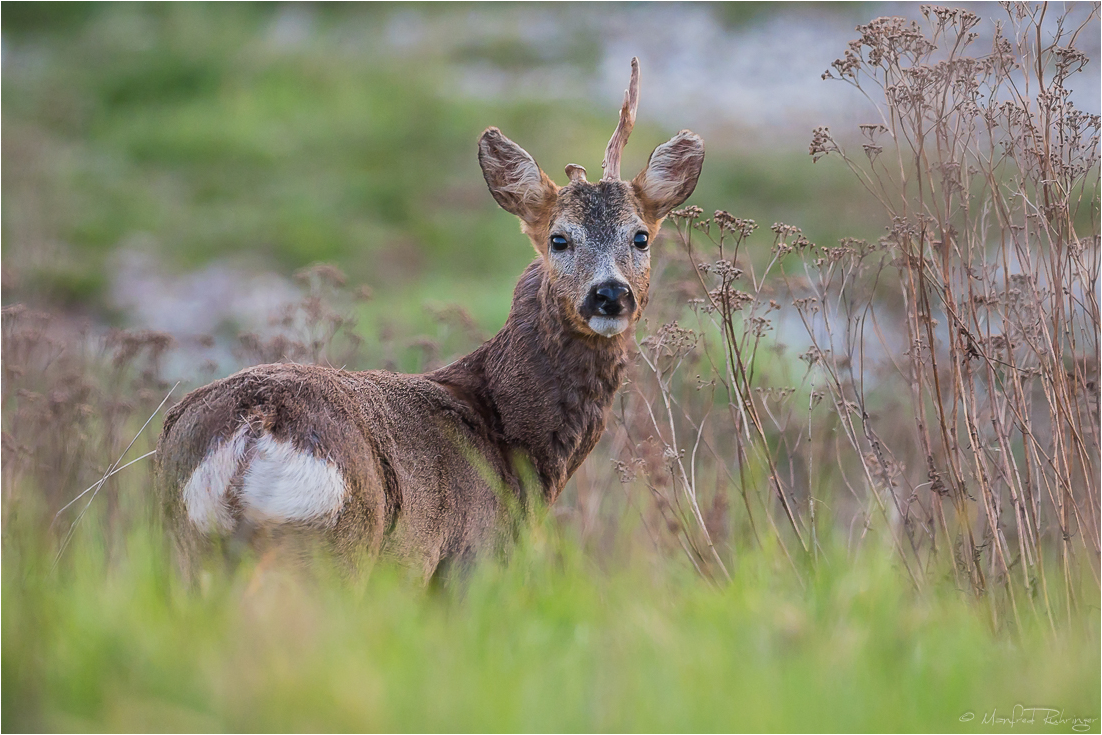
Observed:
{"x":429,"y":468}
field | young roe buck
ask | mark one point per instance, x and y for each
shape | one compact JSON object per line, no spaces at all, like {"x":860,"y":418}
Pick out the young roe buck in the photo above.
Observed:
{"x":431,"y":468}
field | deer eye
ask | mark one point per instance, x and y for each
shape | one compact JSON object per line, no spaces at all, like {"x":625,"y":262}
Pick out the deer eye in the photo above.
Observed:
{"x":559,"y":243}
{"x":641,"y":240}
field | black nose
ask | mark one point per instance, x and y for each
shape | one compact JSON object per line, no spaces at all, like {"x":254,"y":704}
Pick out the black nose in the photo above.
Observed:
{"x":608,"y":298}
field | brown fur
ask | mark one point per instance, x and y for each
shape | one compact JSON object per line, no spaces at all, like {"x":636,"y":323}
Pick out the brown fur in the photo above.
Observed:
{"x":438,"y":466}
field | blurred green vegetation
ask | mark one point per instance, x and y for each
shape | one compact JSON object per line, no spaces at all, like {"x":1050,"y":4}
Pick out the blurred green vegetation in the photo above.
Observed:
{"x":551,"y":640}
{"x":283,"y":135}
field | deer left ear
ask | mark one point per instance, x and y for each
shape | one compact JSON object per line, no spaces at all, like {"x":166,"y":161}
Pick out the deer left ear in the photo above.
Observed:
{"x":516,"y":182}
{"x":671,"y":173}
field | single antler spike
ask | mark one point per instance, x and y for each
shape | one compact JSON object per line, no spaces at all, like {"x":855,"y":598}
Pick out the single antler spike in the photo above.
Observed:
{"x":619,"y":138}
{"x":575,"y":172}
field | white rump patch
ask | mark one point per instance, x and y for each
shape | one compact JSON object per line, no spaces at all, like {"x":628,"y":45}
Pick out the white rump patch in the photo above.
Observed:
{"x":205,"y":492}
{"x":608,"y":326}
{"x":285,"y":484}
{"x":280,"y":484}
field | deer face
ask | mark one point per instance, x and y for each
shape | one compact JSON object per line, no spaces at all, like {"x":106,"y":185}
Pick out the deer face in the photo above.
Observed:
{"x":594,"y":238}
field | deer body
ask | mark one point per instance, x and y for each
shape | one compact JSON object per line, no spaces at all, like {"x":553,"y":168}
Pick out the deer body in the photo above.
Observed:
{"x":435,"y":467}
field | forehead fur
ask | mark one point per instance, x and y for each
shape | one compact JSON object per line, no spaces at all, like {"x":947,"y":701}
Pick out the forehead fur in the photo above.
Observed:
{"x":597,"y":207}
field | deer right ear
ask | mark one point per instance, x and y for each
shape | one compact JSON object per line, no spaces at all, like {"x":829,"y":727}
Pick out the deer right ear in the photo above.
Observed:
{"x":516,"y":182}
{"x":671,"y":173}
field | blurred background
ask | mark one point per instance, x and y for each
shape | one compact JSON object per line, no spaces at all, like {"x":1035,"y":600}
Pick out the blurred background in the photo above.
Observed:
{"x":189,"y":188}
{"x":170,"y":166}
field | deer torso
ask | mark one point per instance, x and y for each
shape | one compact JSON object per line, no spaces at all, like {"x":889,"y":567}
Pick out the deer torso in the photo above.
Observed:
{"x":424,"y":468}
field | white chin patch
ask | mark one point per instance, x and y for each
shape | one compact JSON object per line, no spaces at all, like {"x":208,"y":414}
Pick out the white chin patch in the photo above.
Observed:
{"x":608,"y":326}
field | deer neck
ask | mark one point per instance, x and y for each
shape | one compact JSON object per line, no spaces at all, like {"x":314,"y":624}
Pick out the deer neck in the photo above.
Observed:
{"x":542,"y":390}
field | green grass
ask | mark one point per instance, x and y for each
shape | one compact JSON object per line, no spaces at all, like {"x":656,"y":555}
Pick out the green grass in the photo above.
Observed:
{"x":556,"y":638}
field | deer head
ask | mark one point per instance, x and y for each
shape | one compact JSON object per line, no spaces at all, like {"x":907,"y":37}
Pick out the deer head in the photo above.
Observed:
{"x":594,"y":238}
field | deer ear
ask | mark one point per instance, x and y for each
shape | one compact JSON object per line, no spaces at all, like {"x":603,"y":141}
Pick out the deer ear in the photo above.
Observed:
{"x":671,"y":173}
{"x":516,"y":182}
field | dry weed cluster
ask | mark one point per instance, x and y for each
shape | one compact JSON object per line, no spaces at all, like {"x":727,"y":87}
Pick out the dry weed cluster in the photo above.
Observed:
{"x":948,"y":398}
{"x":70,"y":401}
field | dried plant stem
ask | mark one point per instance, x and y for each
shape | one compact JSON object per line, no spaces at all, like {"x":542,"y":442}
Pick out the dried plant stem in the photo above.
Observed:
{"x":112,"y":470}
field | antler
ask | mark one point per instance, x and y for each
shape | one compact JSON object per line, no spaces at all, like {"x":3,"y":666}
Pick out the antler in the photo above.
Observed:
{"x":611,"y":164}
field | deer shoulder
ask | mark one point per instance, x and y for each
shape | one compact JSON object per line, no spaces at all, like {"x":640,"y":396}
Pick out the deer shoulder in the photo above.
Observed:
{"x":434,"y":468}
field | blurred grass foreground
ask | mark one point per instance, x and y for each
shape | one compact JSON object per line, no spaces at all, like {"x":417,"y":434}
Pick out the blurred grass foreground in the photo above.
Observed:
{"x":852,"y":484}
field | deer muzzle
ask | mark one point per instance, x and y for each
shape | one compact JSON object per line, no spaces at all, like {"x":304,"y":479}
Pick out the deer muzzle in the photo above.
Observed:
{"x":608,"y":307}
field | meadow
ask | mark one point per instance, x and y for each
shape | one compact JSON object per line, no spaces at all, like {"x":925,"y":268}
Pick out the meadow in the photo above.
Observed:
{"x":851,"y":485}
